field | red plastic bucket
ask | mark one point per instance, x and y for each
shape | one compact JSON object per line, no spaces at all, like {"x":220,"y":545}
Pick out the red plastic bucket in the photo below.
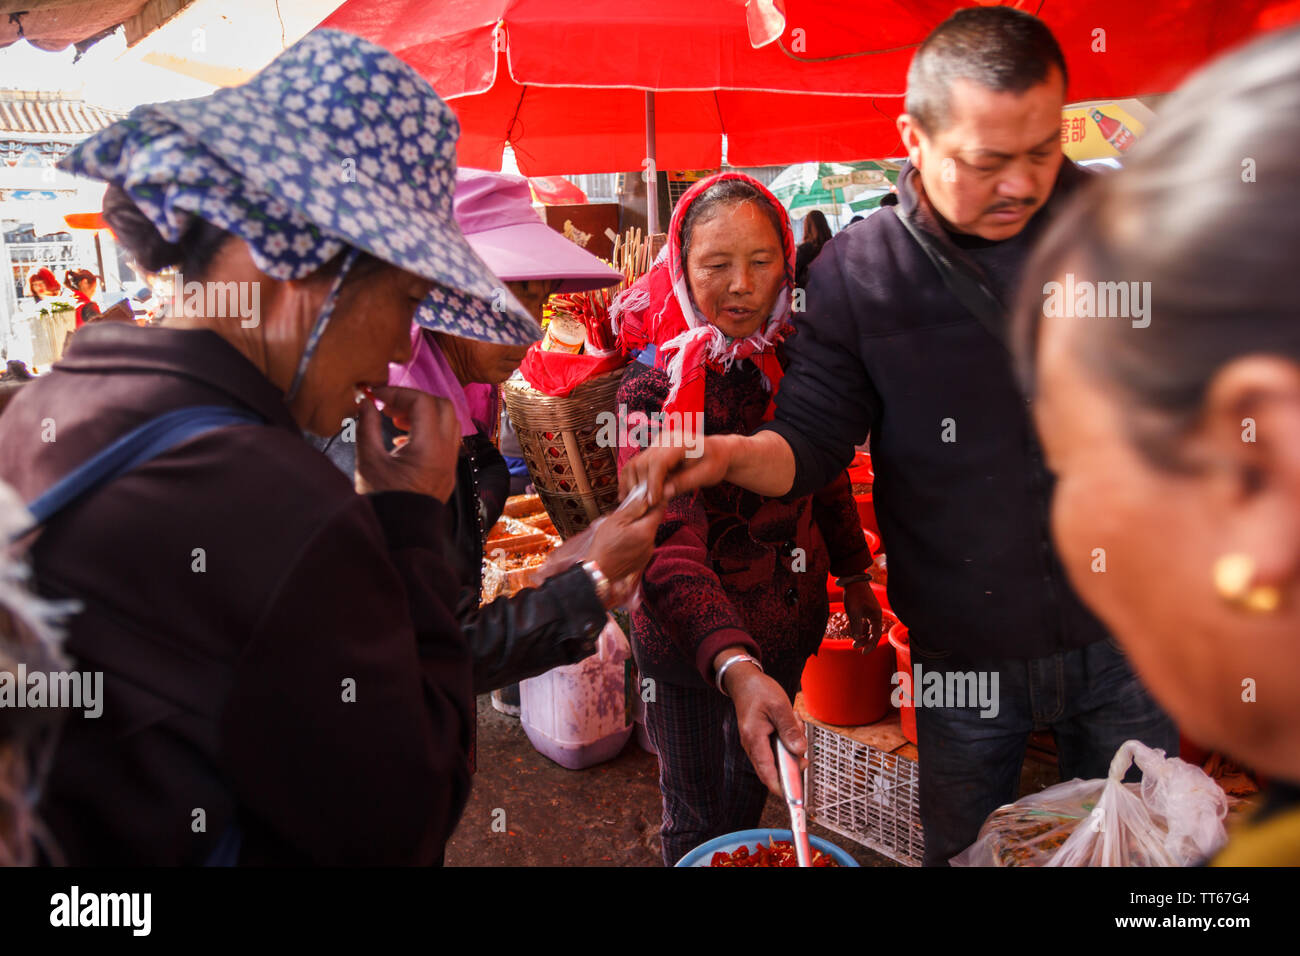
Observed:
{"x":833,"y":590}
{"x":836,"y":593}
{"x":903,"y":651}
{"x":860,"y":469}
{"x":882,"y":597}
{"x":845,"y":687}
{"x":867,"y":513}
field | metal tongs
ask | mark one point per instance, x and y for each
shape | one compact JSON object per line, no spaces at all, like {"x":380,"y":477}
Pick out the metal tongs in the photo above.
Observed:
{"x":787,"y":765}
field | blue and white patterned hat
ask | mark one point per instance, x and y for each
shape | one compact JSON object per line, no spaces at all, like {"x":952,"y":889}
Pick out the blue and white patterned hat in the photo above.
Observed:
{"x":336,"y":143}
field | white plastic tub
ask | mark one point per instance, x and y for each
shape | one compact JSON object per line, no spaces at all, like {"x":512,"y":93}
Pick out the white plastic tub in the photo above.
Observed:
{"x":578,"y":715}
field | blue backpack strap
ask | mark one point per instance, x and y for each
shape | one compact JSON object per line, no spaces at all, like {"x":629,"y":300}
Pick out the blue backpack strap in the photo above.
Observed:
{"x":133,"y":449}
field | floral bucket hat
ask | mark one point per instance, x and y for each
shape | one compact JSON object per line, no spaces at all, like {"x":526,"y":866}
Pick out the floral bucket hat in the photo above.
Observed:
{"x":336,"y":144}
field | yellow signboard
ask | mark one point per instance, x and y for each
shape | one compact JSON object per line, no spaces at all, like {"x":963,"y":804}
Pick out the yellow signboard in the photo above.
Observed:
{"x":689,"y":175}
{"x":1102,"y":129}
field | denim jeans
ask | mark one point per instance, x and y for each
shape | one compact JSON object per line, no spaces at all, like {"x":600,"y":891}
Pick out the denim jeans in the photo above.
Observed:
{"x":970,"y":765}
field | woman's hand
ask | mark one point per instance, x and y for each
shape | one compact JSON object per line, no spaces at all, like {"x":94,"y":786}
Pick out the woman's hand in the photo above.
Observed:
{"x":762,"y":708}
{"x":668,"y":470}
{"x":426,"y":461}
{"x":863,"y":609}
{"x":624,"y":541}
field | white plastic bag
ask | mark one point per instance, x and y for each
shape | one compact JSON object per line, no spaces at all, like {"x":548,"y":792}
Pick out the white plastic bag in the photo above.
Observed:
{"x":1174,"y":817}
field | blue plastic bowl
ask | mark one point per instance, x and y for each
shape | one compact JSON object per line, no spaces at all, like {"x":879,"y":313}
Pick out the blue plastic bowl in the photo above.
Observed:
{"x":728,"y":842}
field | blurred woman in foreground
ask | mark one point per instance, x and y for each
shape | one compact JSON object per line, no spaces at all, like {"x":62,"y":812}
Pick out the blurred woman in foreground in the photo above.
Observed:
{"x":1174,"y":425}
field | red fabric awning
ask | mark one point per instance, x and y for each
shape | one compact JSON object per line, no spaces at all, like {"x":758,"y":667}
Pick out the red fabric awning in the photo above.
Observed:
{"x":565,"y":82}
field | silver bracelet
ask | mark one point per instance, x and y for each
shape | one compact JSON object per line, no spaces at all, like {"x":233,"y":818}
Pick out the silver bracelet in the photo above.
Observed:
{"x":733,"y":659}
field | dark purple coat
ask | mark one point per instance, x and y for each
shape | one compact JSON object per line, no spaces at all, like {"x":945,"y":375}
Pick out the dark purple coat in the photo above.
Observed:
{"x":225,"y":668}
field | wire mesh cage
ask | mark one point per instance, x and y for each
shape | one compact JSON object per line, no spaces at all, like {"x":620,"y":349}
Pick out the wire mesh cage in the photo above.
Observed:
{"x":866,"y":794}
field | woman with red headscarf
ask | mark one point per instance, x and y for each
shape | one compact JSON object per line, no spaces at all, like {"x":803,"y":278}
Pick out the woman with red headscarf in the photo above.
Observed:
{"x":735,"y":596}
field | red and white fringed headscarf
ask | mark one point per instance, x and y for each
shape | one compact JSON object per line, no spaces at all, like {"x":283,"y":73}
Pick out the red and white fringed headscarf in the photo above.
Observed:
{"x":658,"y":310}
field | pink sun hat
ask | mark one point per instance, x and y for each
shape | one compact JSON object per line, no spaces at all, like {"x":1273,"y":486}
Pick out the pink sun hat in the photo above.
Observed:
{"x":495,"y":212}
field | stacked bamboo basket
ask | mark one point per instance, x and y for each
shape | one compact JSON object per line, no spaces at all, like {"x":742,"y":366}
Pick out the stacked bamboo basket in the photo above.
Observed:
{"x":575,"y":473}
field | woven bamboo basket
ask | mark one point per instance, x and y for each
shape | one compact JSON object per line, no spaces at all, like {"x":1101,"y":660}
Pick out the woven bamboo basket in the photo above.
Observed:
{"x":576,"y":477}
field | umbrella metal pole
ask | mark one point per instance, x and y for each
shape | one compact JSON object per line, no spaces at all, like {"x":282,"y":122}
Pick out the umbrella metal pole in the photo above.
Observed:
{"x":652,"y":187}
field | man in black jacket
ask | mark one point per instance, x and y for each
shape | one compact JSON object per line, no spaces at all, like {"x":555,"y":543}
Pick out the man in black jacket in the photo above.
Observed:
{"x":903,"y":341}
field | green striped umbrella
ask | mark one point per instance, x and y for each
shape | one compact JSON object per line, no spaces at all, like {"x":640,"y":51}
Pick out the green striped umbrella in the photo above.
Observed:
{"x":830,"y":186}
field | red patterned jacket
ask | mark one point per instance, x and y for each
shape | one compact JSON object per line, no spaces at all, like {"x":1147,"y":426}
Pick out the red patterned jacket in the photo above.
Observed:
{"x":733,"y":567}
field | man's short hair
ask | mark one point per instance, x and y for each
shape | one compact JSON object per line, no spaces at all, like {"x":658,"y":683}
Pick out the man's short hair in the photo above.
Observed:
{"x":1001,"y":49}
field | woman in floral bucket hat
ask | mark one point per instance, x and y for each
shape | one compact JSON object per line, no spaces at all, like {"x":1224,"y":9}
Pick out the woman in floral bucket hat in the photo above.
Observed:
{"x":283,"y":677}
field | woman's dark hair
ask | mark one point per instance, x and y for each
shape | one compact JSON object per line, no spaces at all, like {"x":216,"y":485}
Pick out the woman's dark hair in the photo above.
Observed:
{"x":998,"y":48}
{"x":74,"y":277}
{"x":198,"y":245}
{"x":726,"y":192}
{"x":191,"y":254}
{"x":816,"y":229}
{"x":1203,"y":217}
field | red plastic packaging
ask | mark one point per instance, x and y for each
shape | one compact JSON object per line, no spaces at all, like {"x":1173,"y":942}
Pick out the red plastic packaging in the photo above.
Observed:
{"x":559,"y":373}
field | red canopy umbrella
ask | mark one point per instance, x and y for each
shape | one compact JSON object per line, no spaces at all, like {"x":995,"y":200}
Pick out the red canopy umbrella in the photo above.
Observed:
{"x":556,"y":191}
{"x":608,"y":85}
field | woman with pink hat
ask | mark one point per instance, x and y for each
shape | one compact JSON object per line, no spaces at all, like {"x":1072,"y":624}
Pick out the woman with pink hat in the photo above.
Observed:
{"x":557,"y":623}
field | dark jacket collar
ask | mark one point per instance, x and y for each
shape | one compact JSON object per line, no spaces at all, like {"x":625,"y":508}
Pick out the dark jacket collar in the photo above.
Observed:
{"x":914,"y":204}
{"x":196,"y":354}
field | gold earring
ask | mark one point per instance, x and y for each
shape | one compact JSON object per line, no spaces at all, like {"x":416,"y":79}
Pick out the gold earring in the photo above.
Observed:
{"x":1232,"y":576}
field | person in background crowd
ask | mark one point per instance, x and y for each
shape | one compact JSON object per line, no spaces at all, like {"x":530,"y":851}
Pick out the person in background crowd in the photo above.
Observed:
{"x":816,"y":233}
{"x":556,"y":623}
{"x":907,"y":325}
{"x":14,"y":377}
{"x":43,"y":285}
{"x":15,"y":371}
{"x":1174,"y":440}
{"x":888,"y":199}
{"x":280,"y":650}
{"x":735,"y":594}
{"x":856,"y":219}
{"x":83,"y":284}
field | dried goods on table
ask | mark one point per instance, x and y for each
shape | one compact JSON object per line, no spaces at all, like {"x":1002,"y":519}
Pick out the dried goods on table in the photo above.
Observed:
{"x":522,"y":506}
{"x":837,"y":626}
{"x":1235,"y":780}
